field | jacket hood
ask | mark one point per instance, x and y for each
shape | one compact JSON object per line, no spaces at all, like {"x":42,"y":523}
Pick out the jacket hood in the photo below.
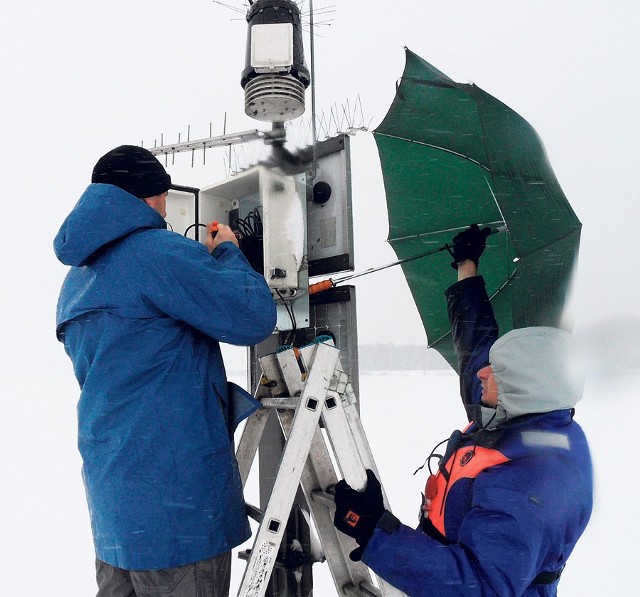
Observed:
{"x":535,"y":372}
{"x":104,"y":213}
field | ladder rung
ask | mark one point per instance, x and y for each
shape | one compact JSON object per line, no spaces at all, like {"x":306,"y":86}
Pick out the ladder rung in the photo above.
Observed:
{"x":322,"y":399}
{"x":284,"y":403}
{"x":254,"y":513}
{"x":369,"y":590}
{"x":246,"y":554}
{"x":324,"y":498}
{"x":365,"y":589}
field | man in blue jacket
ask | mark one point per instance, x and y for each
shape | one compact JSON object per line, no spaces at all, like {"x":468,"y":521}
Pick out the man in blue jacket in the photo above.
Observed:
{"x":141,"y":314}
{"x":513,"y":491}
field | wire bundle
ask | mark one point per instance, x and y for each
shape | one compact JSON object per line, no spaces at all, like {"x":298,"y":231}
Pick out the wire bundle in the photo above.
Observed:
{"x":251,"y":240}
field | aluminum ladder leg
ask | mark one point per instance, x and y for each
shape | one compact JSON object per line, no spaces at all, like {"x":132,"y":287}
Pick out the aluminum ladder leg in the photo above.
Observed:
{"x":320,"y":390}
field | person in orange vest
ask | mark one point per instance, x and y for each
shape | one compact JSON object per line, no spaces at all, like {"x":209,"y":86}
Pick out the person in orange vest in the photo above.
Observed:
{"x":513,"y":492}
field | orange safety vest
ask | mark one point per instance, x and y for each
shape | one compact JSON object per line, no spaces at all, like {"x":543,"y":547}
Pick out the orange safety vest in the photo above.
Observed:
{"x":465,"y":463}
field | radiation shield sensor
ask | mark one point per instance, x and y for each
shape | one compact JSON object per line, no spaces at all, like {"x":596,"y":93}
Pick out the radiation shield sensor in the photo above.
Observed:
{"x":275,"y":77}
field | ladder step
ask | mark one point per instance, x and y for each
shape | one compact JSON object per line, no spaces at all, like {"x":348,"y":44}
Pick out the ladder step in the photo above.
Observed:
{"x":324,"y":498}
{"x":284,"y":402}
{"x":320,"y":396}
{"x":253,"y":512}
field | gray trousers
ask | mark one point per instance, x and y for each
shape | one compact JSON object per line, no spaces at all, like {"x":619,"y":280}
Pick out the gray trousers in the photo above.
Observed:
{"x":209,"y":578}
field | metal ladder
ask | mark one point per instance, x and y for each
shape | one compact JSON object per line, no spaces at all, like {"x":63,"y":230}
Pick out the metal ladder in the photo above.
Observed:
{"x":301,"y":395}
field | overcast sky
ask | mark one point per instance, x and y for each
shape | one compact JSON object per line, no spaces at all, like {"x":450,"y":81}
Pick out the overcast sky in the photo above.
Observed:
{"x":83,"y":76}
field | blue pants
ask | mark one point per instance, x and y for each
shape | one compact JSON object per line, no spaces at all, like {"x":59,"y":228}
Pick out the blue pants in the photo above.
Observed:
{"x":209,"y":578}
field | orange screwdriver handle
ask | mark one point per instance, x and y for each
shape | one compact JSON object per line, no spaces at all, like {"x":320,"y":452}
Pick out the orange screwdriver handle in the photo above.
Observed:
{"x":321,"y":286}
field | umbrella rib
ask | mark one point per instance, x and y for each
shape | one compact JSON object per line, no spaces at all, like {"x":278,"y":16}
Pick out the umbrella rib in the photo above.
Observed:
{"x":442,"y":231}
{"x":438,"y":340}
{"x":460,"y":155}
{"x":555,"y":241}
{"x":504,"y":284}
{"x":495,"y":200}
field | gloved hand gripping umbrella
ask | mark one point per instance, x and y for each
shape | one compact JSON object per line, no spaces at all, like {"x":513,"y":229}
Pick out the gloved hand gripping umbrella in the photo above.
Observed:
{"x":452,"y":155}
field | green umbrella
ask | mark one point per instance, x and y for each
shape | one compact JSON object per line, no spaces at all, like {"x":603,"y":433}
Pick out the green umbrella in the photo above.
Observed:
{"x":453,"y":155}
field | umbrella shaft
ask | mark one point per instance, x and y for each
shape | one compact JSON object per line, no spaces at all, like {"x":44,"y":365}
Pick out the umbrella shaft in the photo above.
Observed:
{"x":330,"y":283}
{"x":398,"y":262}
{"x":445,"y":247}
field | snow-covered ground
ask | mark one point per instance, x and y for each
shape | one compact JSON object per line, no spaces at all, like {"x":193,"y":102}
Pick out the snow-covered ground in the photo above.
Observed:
{"x":46,"y":544}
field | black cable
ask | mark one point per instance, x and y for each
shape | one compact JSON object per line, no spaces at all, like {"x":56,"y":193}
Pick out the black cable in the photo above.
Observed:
{"x":427,"y":462}
{"x":251,"y":239}
{"x":251,"y":225}
{"x":294,"y":325}
{"x":289,"y":310}
{"x":193,"y":226}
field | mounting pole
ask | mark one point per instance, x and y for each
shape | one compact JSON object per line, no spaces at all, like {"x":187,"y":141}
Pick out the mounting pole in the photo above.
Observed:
{"x":314,"y":135}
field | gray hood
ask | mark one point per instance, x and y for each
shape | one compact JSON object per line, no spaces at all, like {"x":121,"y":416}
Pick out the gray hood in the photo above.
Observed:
{"x":535,"y":371}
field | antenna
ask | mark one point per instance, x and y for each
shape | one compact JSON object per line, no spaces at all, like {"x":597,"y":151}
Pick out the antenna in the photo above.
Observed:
{"x":208,"y":142}
{"x":325,"y":10}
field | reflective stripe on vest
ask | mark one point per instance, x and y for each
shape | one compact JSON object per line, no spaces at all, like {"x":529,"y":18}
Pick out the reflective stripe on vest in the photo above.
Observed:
{"x":466,"y":463}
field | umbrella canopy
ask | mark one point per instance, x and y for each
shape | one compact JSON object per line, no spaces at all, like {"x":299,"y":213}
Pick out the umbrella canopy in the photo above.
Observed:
{"x":453,"y":155}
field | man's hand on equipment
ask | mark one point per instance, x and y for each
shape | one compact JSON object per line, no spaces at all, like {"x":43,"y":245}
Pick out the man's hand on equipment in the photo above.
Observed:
{"x":358,"y":512}
{"x":218,"y":233}
{"x":469,"y":244}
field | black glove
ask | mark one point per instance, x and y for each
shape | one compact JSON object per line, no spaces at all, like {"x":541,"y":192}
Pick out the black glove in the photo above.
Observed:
{"x":358,"y":512}
{"x":469,"y":244}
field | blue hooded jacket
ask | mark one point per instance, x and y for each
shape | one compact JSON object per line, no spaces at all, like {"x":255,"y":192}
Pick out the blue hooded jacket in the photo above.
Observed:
{"x":141,"y":313}
{"x":510,"y":500}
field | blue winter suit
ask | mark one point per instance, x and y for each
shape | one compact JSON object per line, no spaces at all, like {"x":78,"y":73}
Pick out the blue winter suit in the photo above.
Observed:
{"x":141,"y":314}
{"x":513,"y":492}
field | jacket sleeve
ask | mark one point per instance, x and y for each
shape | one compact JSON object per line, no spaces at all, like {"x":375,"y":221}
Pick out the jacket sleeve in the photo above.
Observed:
{"x":501,"y":546}
{"x":474,"y":329}
{"x":219,"y":294}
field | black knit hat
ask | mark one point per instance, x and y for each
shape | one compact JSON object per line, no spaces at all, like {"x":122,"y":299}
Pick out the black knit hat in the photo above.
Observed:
{"x":133,"y":169}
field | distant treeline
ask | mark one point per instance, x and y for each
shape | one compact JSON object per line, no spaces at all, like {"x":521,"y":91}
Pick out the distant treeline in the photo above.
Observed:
{"x":389,"y":357}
